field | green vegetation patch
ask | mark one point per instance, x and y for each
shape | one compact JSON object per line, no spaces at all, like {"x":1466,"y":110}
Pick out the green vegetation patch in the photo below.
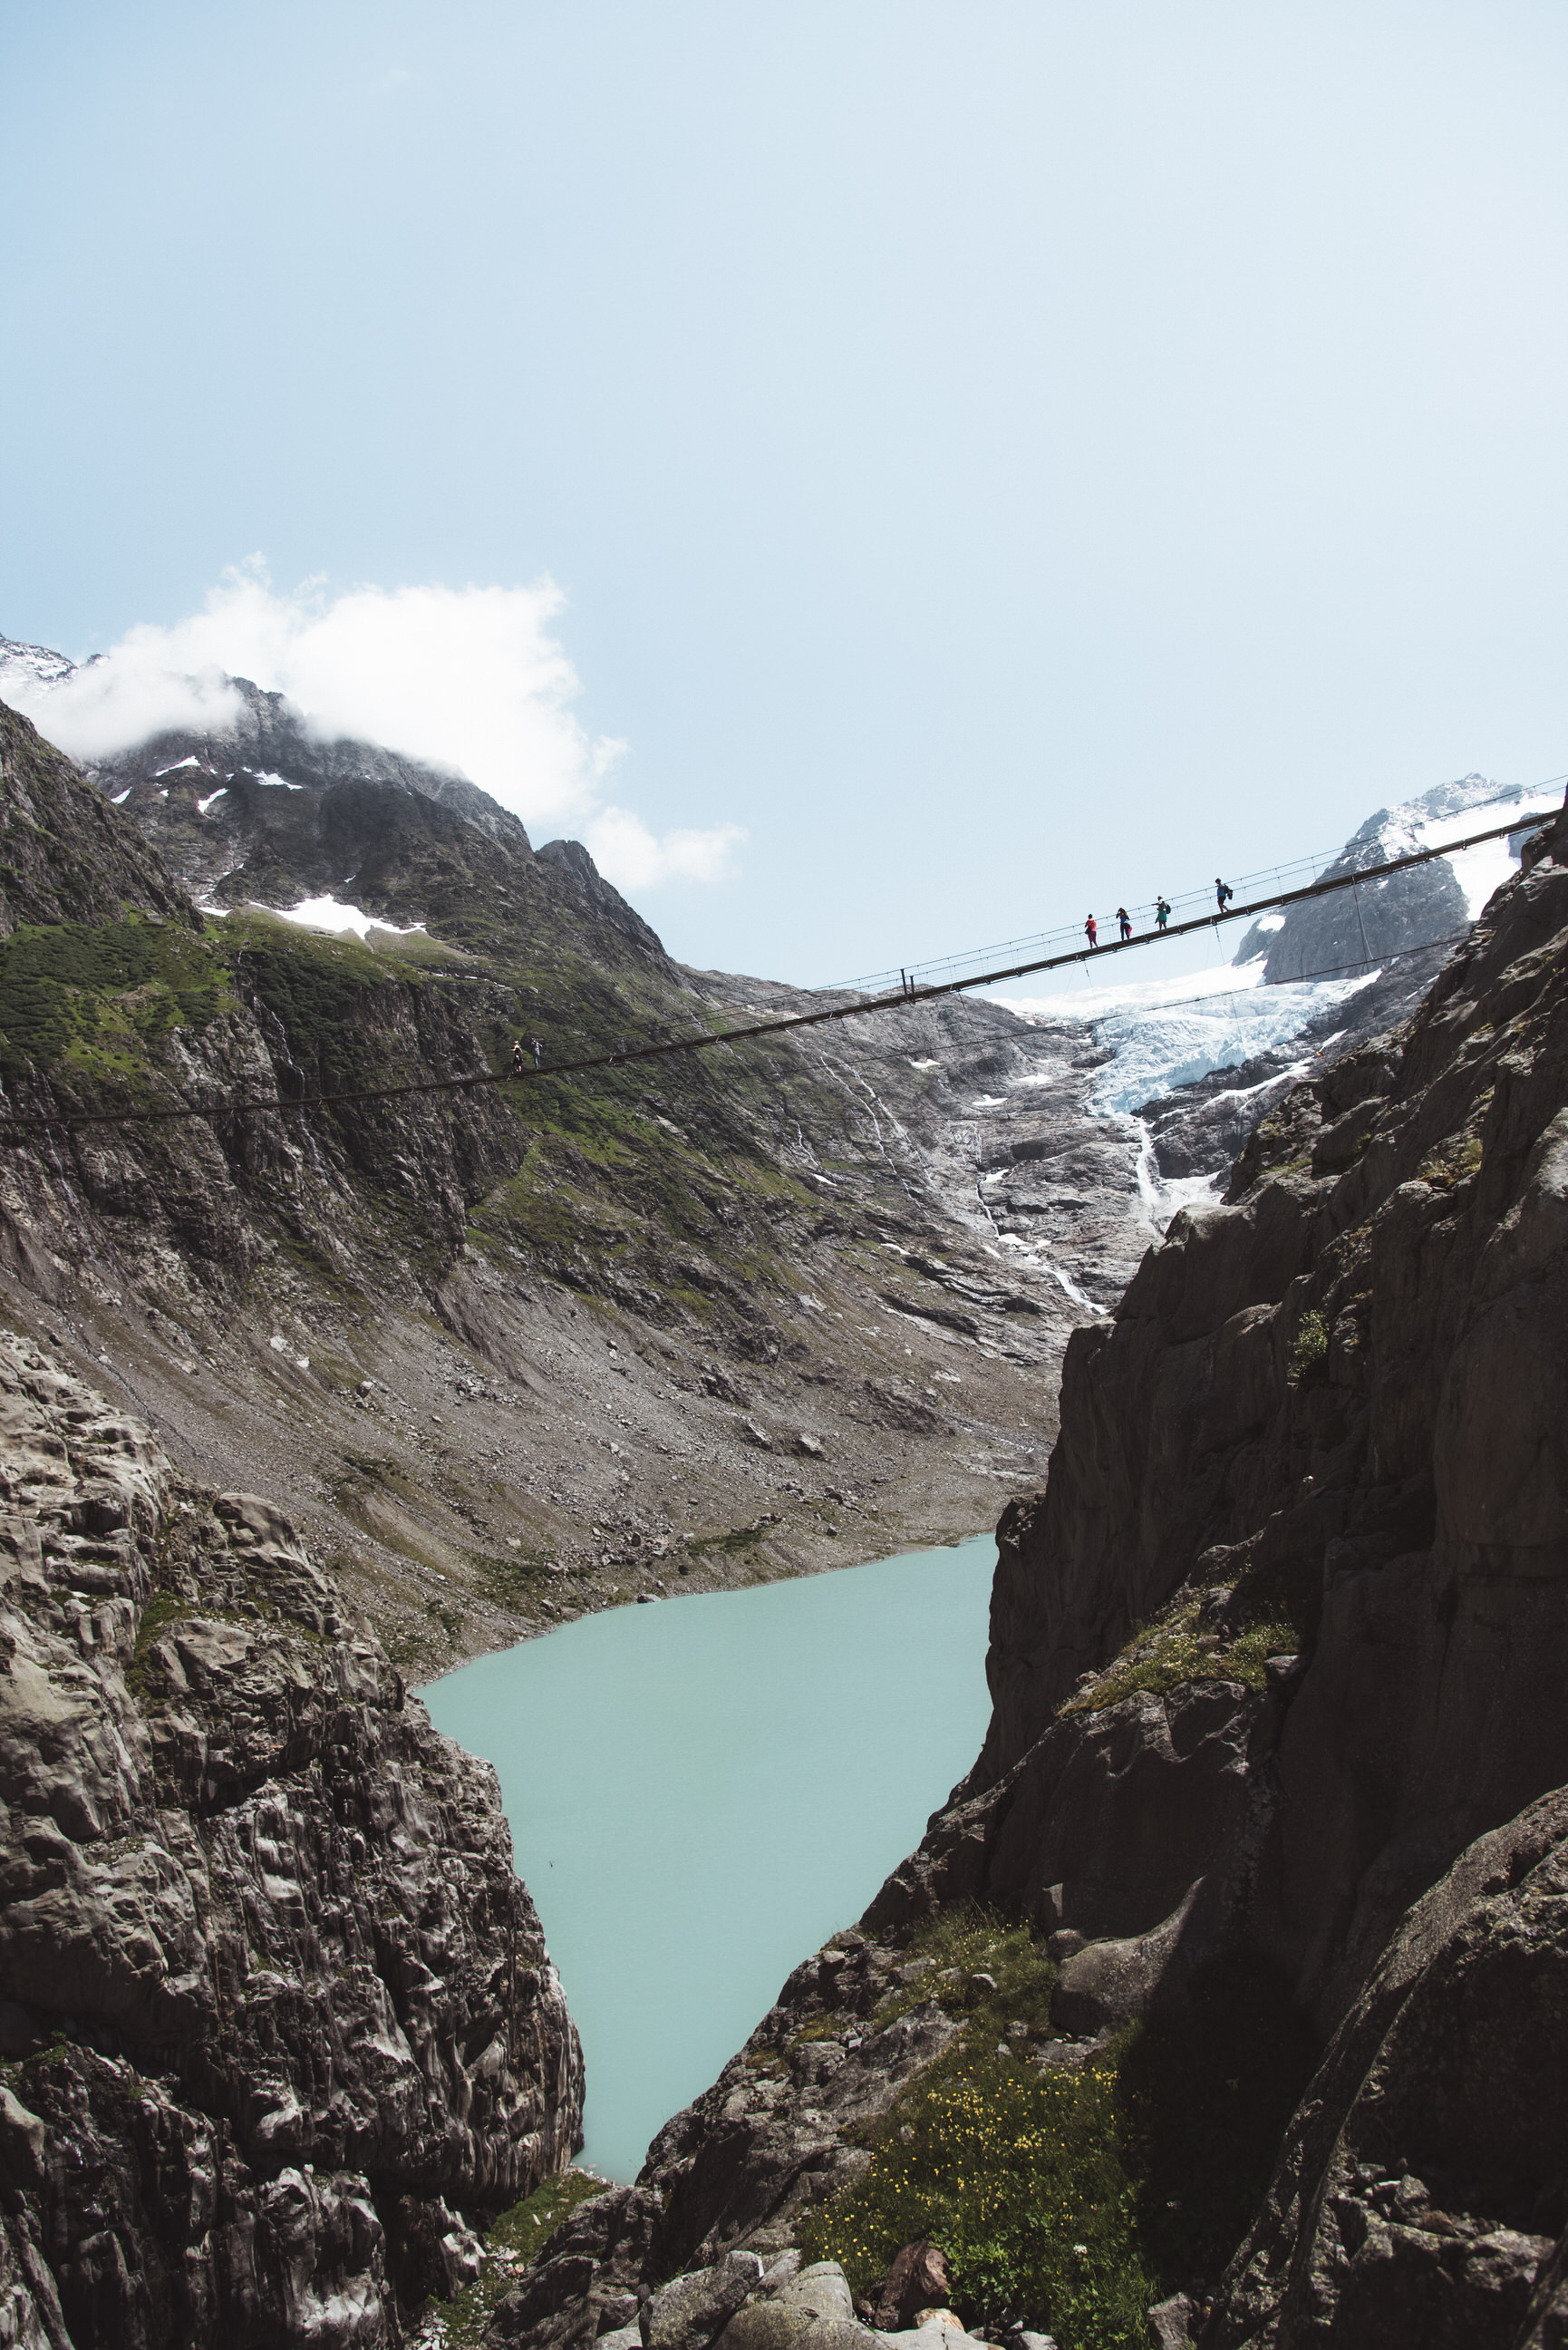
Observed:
{"x":101,"y":990}
{"x":969,"y":1942}
{"x":1019,"y":2176}
{"x":736,"y":1544}
{"x":1309,"y":1353}
{"x":317,"y":988}
{"x":162,"y":1609}
{"x":1072,"y":2200}
{"x":1271,"y":1612}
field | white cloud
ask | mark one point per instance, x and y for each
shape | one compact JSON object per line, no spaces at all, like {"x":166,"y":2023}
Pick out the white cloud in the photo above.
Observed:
{"x":111,"y":703}
{"x":470,"y":677}
{"x":634,"y":858}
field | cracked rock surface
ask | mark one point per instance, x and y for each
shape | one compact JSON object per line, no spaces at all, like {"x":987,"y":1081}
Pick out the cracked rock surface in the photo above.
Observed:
{"x":275,"y":2009}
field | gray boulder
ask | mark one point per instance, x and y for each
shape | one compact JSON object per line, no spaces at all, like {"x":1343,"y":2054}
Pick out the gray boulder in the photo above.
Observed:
{"x":688,"y":2312}
{"x":821,"y":2291}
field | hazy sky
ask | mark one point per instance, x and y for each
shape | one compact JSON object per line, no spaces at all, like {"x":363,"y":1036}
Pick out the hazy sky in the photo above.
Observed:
{"x":1000,"y":458}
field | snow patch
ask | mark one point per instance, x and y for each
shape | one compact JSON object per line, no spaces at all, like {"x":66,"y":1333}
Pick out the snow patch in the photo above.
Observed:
{"x":191,"y":762}
{"x":23,"y":665}
{"x":121,"y":798}
{"x":327,"y":914}
{"x":330,"y":914}
{"x":202,"y":805}
{"x":280,"y":784}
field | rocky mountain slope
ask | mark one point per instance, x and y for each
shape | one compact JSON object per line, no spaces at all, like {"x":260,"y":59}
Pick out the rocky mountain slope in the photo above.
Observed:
{"x":276,"y":2010}
{"x":502,"y":1353}
{"x":1274,"y":1785}
{"x":509,"y":1354}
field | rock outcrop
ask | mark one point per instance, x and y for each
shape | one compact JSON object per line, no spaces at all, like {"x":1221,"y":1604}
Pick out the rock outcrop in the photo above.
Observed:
{"x":1424,"y":905}
{"x":67,"y":854}
{"x":1420,"y":2196}
{"x":276,"y":2010}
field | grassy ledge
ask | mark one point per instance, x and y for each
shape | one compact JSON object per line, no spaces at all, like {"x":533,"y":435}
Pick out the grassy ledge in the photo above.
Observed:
{"x":1073,"y":2200}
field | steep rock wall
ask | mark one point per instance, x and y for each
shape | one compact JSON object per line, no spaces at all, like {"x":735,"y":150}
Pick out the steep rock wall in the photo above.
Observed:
{"x":1420,"y":2196}
{"x":1334,"y":1405}
{"x":273,"y":2000}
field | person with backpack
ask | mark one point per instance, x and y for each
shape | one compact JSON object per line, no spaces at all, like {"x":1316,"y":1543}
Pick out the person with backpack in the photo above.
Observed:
{"x":1222,"y":891}
{"x":517,"y":1058}
{"x":1124,"y":920}
{"x":1161,"y":912}
{"x":1092,"y":931}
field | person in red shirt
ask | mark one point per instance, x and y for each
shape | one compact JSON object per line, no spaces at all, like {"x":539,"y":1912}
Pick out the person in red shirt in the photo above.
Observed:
{"x":1092,"y":931}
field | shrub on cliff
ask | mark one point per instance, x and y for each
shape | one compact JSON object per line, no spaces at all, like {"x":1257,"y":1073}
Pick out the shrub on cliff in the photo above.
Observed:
{"x":1072,"y":2200}
{"x":1018,"y":2175}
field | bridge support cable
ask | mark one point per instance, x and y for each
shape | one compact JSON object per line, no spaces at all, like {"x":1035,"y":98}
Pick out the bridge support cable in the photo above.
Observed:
{"x":908,"y":994}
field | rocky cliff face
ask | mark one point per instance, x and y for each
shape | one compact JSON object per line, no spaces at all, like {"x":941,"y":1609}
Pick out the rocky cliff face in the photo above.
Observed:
{"x":1275,"y":1657}
{"x":275,"y":2011}
{"x":1331,"y":1409}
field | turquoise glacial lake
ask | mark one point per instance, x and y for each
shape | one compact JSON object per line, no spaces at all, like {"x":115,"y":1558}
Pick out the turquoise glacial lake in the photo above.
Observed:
{"x":701,"y":1791}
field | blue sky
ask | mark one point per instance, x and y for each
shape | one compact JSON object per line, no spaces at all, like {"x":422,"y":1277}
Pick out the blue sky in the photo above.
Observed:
{"x":1000,"y":458}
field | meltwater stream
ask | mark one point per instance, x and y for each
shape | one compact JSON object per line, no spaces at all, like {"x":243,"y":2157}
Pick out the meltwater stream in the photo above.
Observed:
{"x":701,"y":1791}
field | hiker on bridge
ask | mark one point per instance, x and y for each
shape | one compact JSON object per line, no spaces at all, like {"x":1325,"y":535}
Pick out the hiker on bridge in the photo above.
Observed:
{"x":1124,"y":919}
{"x":517,"y":1058}
{"x":1092,"y":931}
{"x":1222,"y":892}
{"x":536,"y":1046}
{"x":1161,"y":911}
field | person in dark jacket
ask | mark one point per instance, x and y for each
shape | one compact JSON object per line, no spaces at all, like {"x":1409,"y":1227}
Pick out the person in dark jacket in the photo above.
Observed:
{"x":1124,"y":920}
{"x":1223,"y":892}
{"x":1161,"y":911}
{"x":517,"y":1058}
{"x":1092,"y":931}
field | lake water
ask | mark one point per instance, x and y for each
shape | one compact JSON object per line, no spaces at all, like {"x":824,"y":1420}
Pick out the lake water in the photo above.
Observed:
{"x":701,"y":1791}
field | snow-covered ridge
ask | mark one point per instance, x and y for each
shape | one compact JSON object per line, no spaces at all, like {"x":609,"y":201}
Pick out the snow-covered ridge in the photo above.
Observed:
{"x":1436,"y":817}
{"x":23,"y":666}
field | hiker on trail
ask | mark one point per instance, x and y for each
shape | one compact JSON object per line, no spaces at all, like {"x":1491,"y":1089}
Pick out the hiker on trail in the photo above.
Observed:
{"x":1161,"y":911}
{"x":1092,"y":931}
{"x":517,"y":1058}
{"x":537,"y":1048}
{"x":1222,"y":890}
{"x":1125,"y":919}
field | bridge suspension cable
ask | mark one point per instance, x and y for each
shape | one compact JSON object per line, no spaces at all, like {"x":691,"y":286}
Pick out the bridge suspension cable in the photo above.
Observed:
{"x":908,"y":994}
